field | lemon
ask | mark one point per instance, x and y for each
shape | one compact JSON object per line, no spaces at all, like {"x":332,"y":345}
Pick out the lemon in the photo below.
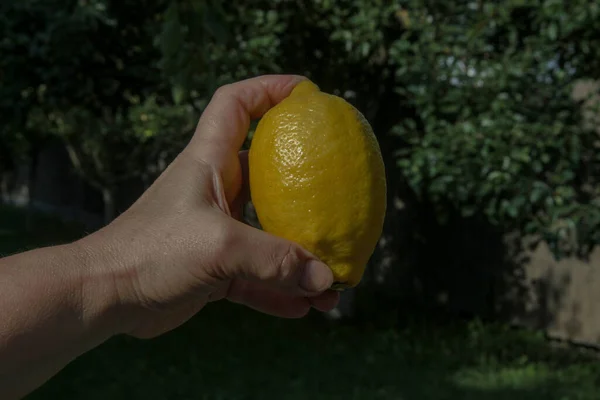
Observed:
{"x":317,"y":178}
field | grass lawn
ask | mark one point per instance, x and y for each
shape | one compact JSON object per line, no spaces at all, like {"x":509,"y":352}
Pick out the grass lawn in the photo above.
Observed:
{"x":228,"y":352}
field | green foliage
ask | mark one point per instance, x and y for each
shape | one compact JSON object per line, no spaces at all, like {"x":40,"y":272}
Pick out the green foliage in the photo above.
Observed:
{"x":206,"y":44}
{"x":160,"y":131}
{"x":480,"y":95}
{"x":472,"y":101}
{"x":84,"y":72}
{"x":500,"y":133}
{"x":19,"y":51}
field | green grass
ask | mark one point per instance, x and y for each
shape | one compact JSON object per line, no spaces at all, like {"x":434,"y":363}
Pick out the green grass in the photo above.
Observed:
{"x":46,"y":230}
{"x":228,"y":352}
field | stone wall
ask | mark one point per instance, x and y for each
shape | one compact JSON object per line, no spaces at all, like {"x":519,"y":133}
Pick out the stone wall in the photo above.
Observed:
{"x":560,"y":297}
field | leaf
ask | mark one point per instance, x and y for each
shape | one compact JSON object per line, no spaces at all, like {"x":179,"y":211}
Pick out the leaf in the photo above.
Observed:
{"x":179,"y":94}
{"x":553,"y":31}
{"x":214,"y":21}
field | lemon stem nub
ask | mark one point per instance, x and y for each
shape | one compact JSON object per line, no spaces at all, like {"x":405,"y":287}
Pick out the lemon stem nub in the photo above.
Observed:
{"x":339,"y":286}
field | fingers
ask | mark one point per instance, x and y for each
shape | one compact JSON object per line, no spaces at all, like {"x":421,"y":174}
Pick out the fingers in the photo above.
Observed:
{"x":277,"y":303}
{"x":225,"y":122}
{"x":326,"y":301}
{"x":243,"y":196}
{"x":267,"y":300}
{"x":254,"y":255}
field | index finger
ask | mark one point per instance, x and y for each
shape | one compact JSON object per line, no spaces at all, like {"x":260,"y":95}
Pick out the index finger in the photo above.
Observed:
{"x":224,"y":124}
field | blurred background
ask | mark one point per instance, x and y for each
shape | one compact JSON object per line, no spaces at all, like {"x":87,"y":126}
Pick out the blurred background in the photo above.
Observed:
{"x":486,"y":281}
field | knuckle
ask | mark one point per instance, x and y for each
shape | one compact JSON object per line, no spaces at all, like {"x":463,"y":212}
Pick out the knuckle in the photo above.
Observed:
{"x":222,"y":91}
{"x":285,"y":263}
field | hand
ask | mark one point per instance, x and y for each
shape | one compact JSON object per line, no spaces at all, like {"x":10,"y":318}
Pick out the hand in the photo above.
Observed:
{"x":181,"y":245}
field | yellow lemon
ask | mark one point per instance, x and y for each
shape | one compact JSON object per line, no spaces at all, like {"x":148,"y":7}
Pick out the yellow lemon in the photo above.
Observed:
{"x":317,"y":178}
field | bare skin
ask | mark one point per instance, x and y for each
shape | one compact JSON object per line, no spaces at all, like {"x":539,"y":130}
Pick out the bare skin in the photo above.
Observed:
{"x":180,"y":246}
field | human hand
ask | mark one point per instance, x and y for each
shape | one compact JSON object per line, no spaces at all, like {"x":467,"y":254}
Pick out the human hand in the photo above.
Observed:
{"x":182,"y":245}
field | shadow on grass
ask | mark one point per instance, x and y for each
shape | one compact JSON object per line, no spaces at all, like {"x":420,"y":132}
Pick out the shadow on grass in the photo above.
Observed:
{"x":227,"y":352}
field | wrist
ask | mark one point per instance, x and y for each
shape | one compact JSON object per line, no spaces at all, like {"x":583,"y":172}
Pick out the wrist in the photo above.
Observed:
{"x":99,"y":301}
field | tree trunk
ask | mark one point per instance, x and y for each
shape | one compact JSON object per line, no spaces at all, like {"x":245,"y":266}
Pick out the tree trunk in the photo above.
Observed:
{"x":110,"y":208}
{"x":31,"y":182}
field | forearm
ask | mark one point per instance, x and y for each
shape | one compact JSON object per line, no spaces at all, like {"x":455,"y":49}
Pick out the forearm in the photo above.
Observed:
{"x":54,"y":306}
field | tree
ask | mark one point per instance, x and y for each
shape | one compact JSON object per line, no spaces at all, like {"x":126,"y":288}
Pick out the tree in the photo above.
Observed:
{"x":472,"y":101}
{"x":93,"y":67}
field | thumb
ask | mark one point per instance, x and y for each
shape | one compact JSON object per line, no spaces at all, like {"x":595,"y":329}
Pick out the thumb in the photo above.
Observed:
{"x":255,"y":255}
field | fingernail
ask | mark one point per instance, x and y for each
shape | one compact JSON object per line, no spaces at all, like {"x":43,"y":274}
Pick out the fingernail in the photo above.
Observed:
{"x":316,"y":277}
